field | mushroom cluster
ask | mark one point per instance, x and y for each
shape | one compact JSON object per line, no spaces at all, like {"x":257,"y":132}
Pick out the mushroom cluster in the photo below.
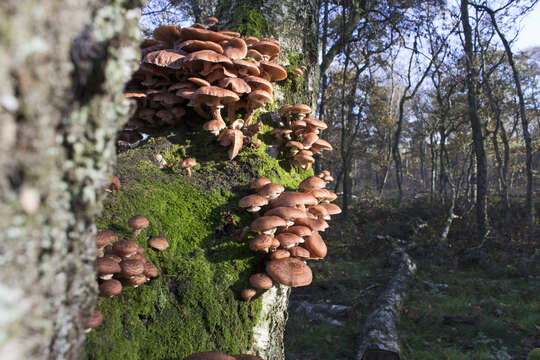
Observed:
{"x":289,"y":230}
{"x":201,"y":70}
{"x":122,"y":262}
{"x":212,"y":355}
{"x":300,"y":134}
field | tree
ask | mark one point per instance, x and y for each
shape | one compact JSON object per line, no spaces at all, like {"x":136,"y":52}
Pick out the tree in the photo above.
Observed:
{"x":61,"y":105}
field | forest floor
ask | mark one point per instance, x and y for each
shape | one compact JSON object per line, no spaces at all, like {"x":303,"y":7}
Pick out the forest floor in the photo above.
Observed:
{"x":476,"y":305}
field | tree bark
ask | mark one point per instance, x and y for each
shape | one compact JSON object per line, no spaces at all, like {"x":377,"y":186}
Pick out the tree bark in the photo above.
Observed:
{"x":478,"y":137}
{"x":62,"y":67}
{"x":295,"y":25}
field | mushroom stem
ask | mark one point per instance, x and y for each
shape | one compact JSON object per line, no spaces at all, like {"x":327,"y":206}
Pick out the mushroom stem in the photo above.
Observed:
{"x":188,"y":170}
{"x":216,"y":113}
{"x":135,"y":233}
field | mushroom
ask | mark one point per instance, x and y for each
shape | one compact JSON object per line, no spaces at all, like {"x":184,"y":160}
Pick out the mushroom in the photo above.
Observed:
{"x":158,"y":243}
{"x":107,"y":267}
{"x":131,"y":267}
{"x":150,"y":271}
{"x":280,"y":254}
{"x":311,"y":183}
{"x":288,"y":214}
{"x":215,"y":97}
{"x":271,"y":191}
{"x":188,"y":164}
{"x":114,"y":184}
{"x":95,"y":320}
{"x":259,"y":183}
{"x":253,"y":203}
{"x":288,"y":240}
{"x":289,"y":271}
{"x":247,"y":294}
{"x":104,"y":238}
{"x":267,"y":224}
{"x":261,"y":243}
{"x":261,"y":281}
{"x":125,"y":248}
{"x":316,"y":246}
{"x":110,"y":288}
{"x":137,"y":223}
{"x":209,"y":355}
{"x":299,"y":252}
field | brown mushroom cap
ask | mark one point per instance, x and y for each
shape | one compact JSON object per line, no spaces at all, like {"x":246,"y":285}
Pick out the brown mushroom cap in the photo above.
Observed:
{"x":135,"y":280}
{"x":294,"y":199}
{"x":210,"y":21}
{"x":150,"y":270}
{"x":198,"y":81}
{"x":138,"y":222}
{"x":166,"y":33}
{"x":246,"y":67}
{"x":191,"y":33}
{"x":299,"y":252}
{"x":299,"y":230}
{"x":271,"y":191}
{"x":125,"y":248}
{"x":316,"y":246}
{"x":332,"y":209}
{"x":259,"y":183}
{"x":312,"y":183}
{"x":250,"y":40}
{"x":237,"y":85}
{"x":261,"y":243}
{"x":288,"y":240}
{"x":95,"y":320}
{"x":247,"y":357}
{"x":131,"y":267}
{"x":247,"y":294}
{"x":214,"y":96}
{"x":209,"y":355}
{"x":107,"y":266}
{"x":252,"y":201}
{"x":276,"y":71}
{"x":286,"y":213}
{"x":280,"y":254}
{"x":198,"y":45}
{"x":314,"y":123}
{"x":300,"y":109}
{"x":165,"y":59}
{"x":313,"y":224}
{"x":265,"y":223}
{"x":105,"y":237}
{"x":309,"y":139}
{"x":290,"y":272}
{"x":158,"y":243}
{"x":110,"y":288}
{"x":258,"y":83}
{"x":266,"y":48}
{"x":189,"y":162}
{"x":235,"y":49}
{"x":261,"y":281}
{"x":319,"y":211}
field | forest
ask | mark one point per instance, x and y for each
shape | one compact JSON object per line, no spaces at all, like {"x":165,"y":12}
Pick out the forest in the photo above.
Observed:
{"x":270,"y":180}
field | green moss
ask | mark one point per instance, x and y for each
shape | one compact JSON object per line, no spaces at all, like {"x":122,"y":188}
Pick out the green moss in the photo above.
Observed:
{"x":248,"y":21}
{"x":193,"y":305}
{"x":534,"y":354}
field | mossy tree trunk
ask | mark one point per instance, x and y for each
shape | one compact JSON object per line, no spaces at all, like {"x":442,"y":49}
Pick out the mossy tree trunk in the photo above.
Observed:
{"x":295,"y":25}
{"x":62,"y":67}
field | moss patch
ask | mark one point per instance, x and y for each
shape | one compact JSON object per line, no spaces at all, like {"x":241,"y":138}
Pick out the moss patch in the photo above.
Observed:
{"x":193,"y":305}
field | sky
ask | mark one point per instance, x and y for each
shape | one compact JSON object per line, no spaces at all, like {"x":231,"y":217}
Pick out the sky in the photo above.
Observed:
{"x":530,"y":33}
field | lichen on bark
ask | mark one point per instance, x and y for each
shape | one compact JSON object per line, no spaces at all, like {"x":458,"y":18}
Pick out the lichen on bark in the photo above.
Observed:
{"x":62,"y":66}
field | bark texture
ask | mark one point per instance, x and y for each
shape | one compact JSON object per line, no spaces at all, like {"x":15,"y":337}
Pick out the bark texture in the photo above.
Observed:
{"x":63,"y":64}
{"x":295,"y":25}
{"x":380,"y":337}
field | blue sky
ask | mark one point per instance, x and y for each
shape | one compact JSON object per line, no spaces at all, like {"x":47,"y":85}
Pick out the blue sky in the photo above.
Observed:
{"x":530,"y":33}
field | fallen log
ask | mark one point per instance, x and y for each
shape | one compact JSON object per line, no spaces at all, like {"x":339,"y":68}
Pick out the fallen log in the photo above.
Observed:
{"x":379,"y":338}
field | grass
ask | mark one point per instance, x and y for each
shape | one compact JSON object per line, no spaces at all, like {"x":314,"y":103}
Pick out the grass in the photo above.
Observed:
{"x":502,"y":291}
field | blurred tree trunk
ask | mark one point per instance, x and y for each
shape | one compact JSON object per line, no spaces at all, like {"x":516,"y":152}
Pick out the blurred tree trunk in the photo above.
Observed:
{"x":63,"y":64}
{"x":478,"y":137}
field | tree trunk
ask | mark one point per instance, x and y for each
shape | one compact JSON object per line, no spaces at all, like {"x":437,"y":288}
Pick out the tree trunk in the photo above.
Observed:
{"x":295,"y":25}
{"x":478,"y":137}
{"x":63,"y":64}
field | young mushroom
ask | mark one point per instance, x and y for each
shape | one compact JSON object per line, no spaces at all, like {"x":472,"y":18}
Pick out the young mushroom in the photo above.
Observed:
{"x":158,"y":243}
{"x":137,"y":223}
{"x":188,"y":164}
